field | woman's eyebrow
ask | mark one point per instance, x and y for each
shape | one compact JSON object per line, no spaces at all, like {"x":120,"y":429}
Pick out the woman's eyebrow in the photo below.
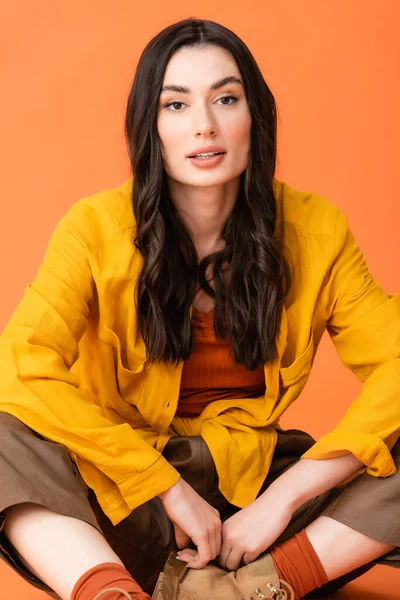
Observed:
{"x":214,"y":86}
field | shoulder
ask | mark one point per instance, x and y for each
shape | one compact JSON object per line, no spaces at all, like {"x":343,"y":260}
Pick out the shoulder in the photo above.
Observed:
{"x":94,"y":223}
{"x":106,"y":212}
{"x":309,"y":211}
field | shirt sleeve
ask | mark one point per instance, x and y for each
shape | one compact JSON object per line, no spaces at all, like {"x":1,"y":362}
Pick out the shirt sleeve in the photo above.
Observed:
{"x":364,"y":325}
{"x":38,"y":347}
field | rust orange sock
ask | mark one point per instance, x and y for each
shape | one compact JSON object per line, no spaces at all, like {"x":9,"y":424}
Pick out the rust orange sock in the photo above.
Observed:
{"x":297,"y":563}
{"x":107,"y":575}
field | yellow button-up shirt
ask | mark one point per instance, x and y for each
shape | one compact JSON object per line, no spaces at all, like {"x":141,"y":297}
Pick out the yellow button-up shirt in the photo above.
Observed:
{"x":72,"y":360}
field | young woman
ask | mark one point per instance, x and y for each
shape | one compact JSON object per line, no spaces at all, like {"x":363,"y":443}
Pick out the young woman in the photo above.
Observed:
{"x":172,"y":322}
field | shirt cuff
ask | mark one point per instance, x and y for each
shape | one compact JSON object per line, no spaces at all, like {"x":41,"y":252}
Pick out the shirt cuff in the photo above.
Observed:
{"x":145,"y":485}
{"x":368,"y":448}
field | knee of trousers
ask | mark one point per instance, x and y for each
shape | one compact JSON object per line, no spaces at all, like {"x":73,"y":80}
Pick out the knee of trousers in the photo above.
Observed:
{"x":17,"y":439}
{"x":35,"y":469}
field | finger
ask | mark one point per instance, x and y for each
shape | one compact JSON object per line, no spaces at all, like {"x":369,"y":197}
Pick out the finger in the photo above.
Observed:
{"x":202,"y":556}
{"x":181,"y":538}
{"x":249,"y":557}
{"x":234,"y":559}
{"x":218,"y":540}
{"x":187,"y":554}
{"x":212,"y":542}
{"x":226,"y":549}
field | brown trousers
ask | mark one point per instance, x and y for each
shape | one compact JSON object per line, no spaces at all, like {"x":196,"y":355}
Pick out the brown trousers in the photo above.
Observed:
{"x":34,"y":469}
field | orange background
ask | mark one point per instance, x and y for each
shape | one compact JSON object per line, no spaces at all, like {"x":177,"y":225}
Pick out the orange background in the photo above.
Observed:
{"x":66,"y":69}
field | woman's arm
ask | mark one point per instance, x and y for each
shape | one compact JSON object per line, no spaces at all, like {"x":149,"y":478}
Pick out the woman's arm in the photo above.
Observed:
{"x":308,"y":478}
{"x":257,"y":526}
{"x":364,"y":325}
{"x":39,"y":345}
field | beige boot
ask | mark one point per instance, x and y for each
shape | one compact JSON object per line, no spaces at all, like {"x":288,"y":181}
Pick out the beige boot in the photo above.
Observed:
{"x":256,"y":581}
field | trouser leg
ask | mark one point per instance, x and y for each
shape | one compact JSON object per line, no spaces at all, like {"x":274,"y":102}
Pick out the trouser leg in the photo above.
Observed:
{"x":146,"y":554}
{"x":42,"y":472}
{"x":37,"y":471}
{"x":368,"y":504}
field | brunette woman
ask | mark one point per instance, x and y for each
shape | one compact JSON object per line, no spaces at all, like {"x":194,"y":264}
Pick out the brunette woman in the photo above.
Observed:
{"x":172,"y":322}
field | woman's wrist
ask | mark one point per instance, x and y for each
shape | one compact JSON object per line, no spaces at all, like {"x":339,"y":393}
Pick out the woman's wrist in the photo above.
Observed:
{"x":309,"y":478}
{"x":172,"y":490}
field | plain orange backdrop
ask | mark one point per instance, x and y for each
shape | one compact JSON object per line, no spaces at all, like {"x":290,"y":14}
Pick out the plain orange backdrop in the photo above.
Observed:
{"x":66,"y":70}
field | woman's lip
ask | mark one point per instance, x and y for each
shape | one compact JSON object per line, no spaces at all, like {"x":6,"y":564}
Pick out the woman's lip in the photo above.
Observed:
{"x":207,"y":163}
{"x":219,"y":152}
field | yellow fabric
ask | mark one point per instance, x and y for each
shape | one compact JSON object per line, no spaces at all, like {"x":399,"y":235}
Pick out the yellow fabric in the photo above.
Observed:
{"x":72,"y":362}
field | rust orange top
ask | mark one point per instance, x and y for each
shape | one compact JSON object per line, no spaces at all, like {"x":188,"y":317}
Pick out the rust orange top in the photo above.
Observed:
{"x":210,"y":373}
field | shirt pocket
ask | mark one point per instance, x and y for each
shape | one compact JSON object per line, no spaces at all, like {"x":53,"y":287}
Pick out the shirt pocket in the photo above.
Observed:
{"x":300,"y":368}
{"x":129,"y":365}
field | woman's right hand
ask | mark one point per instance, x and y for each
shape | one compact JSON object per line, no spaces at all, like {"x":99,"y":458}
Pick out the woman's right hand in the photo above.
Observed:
{"x":193,"y":519}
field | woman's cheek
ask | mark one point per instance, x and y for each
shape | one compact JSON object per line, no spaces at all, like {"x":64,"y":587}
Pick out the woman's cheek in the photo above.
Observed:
{"x":173,"y":147}
{"x":240,"y":129}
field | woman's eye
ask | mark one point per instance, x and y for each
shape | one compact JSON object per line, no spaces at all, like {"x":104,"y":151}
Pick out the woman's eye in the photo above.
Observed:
{"x":229,"y":98}
{"x":173,"y":104}
{"x":176,"y":102}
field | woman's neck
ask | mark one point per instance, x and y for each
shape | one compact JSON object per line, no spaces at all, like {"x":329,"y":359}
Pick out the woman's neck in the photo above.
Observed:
{"x":204,"y":211}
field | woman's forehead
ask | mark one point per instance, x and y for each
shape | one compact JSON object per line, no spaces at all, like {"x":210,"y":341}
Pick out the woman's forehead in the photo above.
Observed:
{"x":199,"y":67}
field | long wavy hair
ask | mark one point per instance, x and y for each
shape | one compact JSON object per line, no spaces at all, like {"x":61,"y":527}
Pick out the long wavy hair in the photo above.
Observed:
{"x":258,"y":274}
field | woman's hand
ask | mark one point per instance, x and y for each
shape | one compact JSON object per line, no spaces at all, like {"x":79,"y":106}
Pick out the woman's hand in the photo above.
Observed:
{"x":256,"y":527}
{"x":193,"y":519}
{"x":253,"y":529}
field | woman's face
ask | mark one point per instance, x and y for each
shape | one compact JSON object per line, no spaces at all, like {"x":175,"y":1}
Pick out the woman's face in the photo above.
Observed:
{"x":200,"y":116}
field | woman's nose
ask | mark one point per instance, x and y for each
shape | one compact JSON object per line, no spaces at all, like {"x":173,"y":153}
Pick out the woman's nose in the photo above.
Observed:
{"x":204,"y":122}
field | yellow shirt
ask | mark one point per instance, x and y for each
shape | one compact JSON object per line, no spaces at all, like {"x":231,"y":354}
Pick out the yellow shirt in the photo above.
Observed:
{"x":72,"y":362}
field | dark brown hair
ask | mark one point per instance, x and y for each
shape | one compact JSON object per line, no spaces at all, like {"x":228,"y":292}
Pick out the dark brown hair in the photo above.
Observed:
{"x":259,"y":276}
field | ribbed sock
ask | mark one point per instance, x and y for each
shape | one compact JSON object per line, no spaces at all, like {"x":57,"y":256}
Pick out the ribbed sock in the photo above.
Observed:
{"x":297,"y":563}
{"x":107,"y":575}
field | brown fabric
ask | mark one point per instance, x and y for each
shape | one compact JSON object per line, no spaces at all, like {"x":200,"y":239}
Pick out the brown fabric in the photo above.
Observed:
{"x":36,"y":470}
{"x":104,"y":576}
{"x":298,"y":564}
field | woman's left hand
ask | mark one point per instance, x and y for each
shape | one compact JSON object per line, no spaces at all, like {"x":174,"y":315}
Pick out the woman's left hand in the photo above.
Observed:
{"x":253,"y":529}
